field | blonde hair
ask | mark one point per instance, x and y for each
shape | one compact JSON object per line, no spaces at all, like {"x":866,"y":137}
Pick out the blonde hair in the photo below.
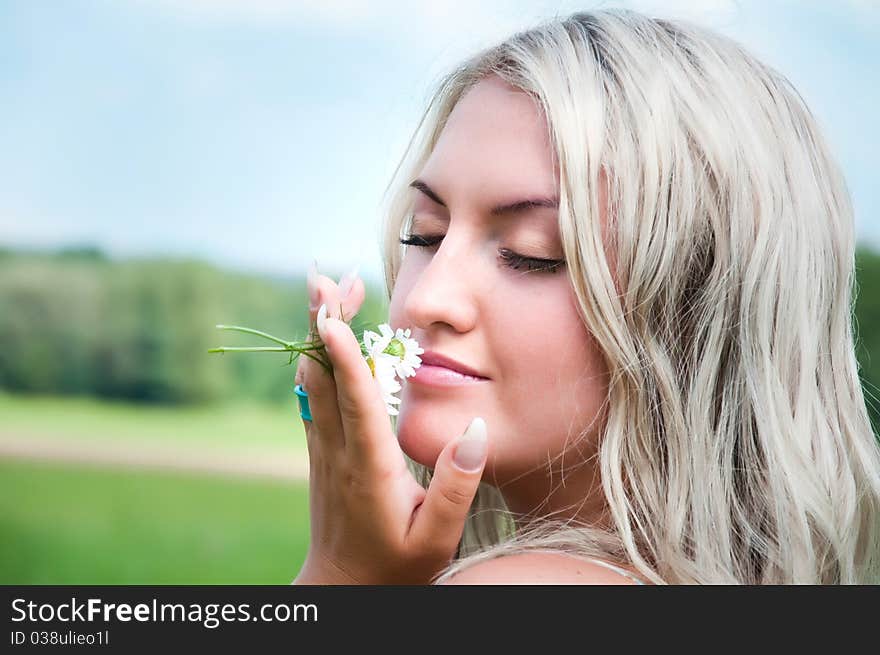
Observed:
{"x":737,"y":446}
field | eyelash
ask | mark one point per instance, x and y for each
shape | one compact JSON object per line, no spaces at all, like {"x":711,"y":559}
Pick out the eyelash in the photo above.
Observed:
{"x":511,"y":259}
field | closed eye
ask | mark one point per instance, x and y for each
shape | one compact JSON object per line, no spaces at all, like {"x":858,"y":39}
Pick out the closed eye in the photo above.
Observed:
{"x":511,"y":259}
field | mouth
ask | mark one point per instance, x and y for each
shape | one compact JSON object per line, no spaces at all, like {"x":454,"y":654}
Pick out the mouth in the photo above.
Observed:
{"x":432,"y":358}
{"x":441,"y":376}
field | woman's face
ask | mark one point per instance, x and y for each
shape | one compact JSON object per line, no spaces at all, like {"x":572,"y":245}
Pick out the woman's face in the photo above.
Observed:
{"x":518,"y":328}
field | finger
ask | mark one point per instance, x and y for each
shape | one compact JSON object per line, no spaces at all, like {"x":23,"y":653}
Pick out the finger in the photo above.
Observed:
{"x":323,"y":290}
{"x":369,"y":438}
{"x":439,"y":522}
{"x":313,"y":377}
{"x":343,"y":299}
{"x":324,"y":432}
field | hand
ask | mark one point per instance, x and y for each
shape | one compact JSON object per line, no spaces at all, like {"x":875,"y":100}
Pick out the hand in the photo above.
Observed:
{"x":371,"y":521}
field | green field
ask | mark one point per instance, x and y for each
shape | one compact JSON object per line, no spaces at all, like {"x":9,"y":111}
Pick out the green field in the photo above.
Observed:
{"x":63,"y":525}
{"x":88,"y":418}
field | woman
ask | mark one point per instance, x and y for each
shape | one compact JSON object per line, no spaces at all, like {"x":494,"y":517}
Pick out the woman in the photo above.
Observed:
{"x":634,"y":237}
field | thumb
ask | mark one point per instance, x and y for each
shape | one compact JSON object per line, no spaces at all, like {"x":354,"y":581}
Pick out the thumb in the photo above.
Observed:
{"x":439,"y":523}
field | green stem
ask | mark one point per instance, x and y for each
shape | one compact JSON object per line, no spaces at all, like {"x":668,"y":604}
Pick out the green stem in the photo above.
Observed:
{"x":294,"y":347}
{"x":259,"y":333}
{"x":253,"y":349}
{"x":320,"y":361}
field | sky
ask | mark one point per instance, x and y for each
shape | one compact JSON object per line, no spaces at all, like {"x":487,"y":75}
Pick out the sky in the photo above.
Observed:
{"x":261,"y":134}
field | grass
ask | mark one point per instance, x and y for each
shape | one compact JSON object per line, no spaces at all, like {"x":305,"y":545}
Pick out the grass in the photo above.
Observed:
{"x":65,"y":525}
{"x":88,"y":418}
{"x":69,"y":524}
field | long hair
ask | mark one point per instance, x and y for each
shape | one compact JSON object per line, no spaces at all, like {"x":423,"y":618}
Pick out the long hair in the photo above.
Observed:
{"x":737,"y":447}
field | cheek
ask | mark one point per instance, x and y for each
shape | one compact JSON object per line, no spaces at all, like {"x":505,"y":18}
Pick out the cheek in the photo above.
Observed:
{"x":555,"y":381}
{"x":556,"y":410}
{"x":539,"y":335}
{"x":584,"y":384}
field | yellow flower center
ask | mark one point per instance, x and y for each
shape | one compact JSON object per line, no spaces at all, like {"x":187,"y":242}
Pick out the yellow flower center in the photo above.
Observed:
{"x":395,"y":347}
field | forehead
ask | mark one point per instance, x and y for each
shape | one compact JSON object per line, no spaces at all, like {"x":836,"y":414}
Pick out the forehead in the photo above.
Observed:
{"x":495,"y":141}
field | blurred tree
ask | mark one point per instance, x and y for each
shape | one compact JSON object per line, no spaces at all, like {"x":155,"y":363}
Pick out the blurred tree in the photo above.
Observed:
{"x":77,"y":322}
{"x":867,"y":328}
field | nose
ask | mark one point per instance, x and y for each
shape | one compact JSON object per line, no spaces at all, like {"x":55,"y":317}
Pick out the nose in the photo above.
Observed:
{"x":446,"y":290}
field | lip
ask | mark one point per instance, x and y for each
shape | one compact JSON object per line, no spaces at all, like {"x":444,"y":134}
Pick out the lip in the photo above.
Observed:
{"x":440,"y":376}
{"x":434,"y":359}
{"x":441,"y":371}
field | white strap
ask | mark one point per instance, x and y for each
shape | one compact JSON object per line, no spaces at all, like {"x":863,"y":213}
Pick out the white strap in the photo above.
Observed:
{"x":612,"y":567}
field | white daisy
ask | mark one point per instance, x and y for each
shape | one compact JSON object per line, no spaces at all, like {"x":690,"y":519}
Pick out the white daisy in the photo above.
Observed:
{"x":377,"y":343}
{"x":409,"y":360}
{"x":381,"y":365}
{"x":383,"y":370}
{"x":391,"y":355}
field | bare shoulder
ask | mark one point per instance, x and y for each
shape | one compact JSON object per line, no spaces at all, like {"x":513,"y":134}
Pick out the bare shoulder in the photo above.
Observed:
{"x":538,"y":568}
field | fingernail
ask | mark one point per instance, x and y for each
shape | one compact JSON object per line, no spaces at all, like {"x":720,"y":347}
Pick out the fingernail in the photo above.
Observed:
{"x":473,"y":446}
{"x":346,"y":282}
{"x":322,"y":320}
{"x":312,"y":284}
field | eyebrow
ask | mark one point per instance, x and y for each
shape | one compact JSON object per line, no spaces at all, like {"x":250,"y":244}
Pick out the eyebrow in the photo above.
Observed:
{"x":517,"y":207}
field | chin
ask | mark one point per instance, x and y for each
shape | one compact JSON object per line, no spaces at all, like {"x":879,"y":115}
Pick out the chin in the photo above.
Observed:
{"x":423,"y":436}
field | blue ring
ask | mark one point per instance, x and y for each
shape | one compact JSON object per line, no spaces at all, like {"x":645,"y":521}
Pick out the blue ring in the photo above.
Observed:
{"x":303,"y":402}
